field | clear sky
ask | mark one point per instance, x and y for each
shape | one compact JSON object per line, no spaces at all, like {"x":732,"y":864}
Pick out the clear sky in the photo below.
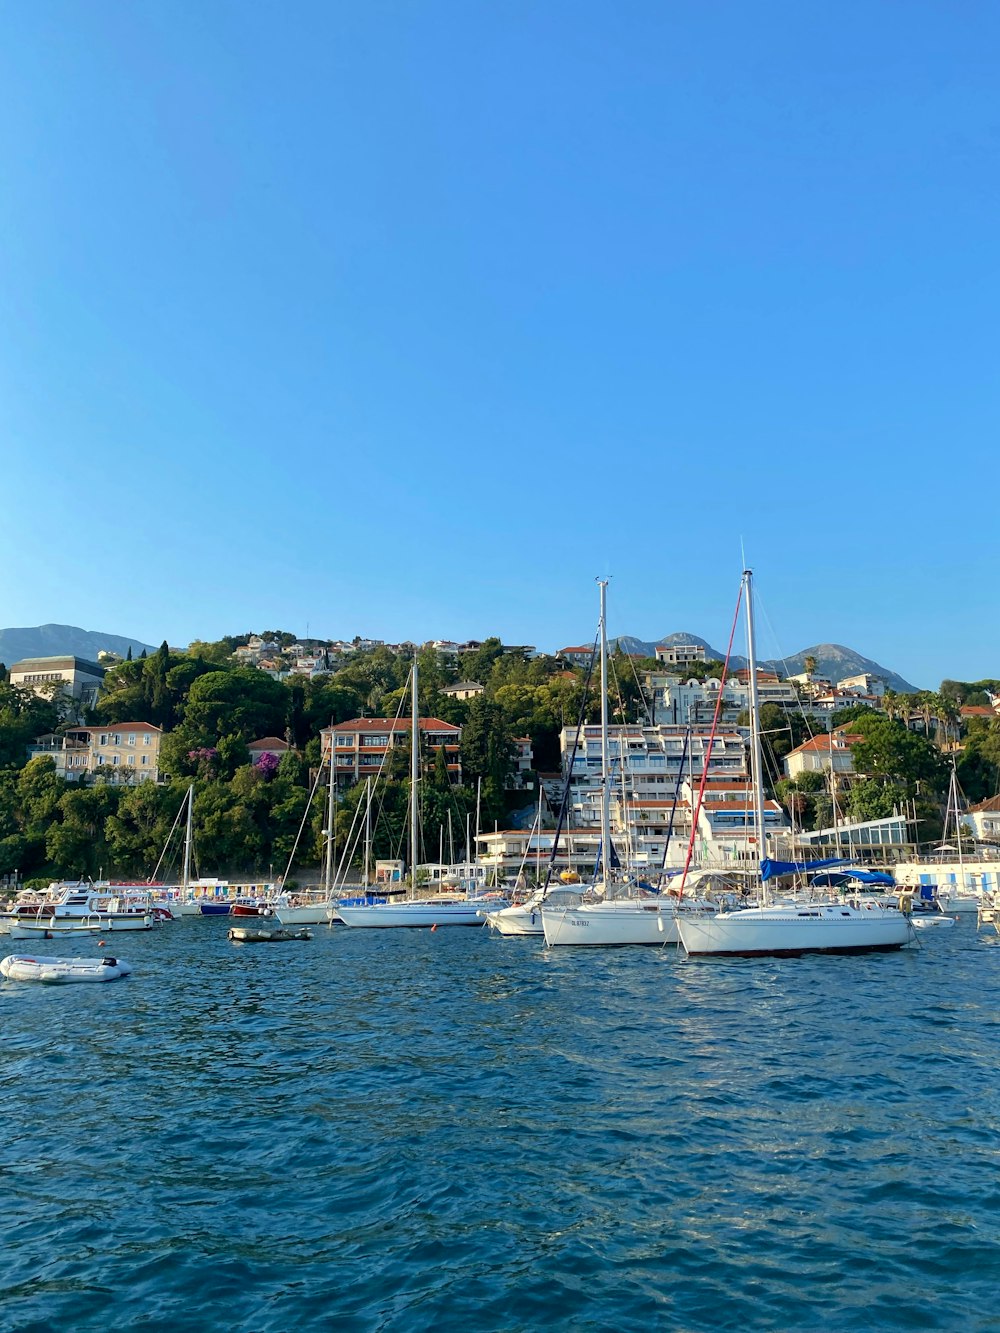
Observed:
{"x":407,"y":319}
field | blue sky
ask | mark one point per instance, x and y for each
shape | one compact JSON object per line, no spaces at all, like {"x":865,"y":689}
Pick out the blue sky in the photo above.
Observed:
{"x":408,"y":319}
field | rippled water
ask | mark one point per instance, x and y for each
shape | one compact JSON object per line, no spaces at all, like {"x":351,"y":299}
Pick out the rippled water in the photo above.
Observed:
{"x":415,"y":1130}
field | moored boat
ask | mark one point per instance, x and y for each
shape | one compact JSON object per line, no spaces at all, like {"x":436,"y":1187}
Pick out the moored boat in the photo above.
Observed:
{"x":264,"y":935}
{"x":47,"y":928}
{"x":56,"y":971}
{"x":443,"y":909}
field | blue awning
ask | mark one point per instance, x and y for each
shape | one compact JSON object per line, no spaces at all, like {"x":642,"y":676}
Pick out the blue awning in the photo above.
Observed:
{"x":772,"y":869}
{"x":835,"y":877}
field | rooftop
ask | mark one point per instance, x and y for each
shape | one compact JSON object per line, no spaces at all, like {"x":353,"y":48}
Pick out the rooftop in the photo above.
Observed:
{"x":60,"y":663}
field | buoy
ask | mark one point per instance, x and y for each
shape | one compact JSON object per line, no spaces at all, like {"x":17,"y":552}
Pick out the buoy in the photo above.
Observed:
{"x":434,"y":927}
{"x":100,"y":944}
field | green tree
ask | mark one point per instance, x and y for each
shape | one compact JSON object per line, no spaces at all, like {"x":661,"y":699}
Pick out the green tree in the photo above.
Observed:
{"x":76,"y":845}
{"x":242,"y":702}
{"x":137,"y":830}
{"x":23,"y":718}
{"x":891,"y":752}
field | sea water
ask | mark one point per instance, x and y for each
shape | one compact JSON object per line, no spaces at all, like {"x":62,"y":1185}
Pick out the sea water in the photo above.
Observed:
{"x":446,"y":1130}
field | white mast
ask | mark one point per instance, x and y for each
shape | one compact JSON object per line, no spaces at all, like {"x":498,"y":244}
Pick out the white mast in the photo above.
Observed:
{"x":368,"y":827}
{"x":186,"y":871}
{"x":953,"y":796}
{"x":833,"y":796}
{"x":414,"y":779}
{"x":757,"y":767}
{"x":538,"y":837}
{"x":605,"y":748}
{"x":328,"y":875}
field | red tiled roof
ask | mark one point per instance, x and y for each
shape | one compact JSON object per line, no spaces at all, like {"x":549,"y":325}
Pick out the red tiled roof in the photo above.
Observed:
{"x":976,"y":710}
{"x":581,"y":648}
{"x":392,"y":724}
{"x":120,"y":726}
{"x":821,"y":744}
{"x":269,"y":743}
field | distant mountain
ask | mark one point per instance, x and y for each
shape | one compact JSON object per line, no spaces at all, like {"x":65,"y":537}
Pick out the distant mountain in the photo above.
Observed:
{"x":832,"y":659}
{"x":63,"y":640}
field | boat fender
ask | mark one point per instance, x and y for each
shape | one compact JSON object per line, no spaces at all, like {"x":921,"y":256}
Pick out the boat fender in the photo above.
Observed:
{"x":906,"y":902}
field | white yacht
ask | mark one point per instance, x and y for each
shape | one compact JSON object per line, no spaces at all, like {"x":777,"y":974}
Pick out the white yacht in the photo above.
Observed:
{"x":793,"y":928}
{"x":439,"y":909}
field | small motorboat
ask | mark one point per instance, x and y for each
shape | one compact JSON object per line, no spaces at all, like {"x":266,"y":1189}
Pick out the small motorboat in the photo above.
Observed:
{"x":929,"y":920}
{"x":55,"y":971}
{"x":48,"y":927}
{"x":274,"y":935}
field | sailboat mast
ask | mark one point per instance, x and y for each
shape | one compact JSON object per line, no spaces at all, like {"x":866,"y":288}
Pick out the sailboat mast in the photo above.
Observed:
{"x":186,"y":871}
{"x":368,"y":828}
{"x":833,"y":797}
{"x":757,"y":766}
{"x":953,"y":797}
{"x":414,"y":779}
{"x":605,"y":748}
{"x":328,"y":874}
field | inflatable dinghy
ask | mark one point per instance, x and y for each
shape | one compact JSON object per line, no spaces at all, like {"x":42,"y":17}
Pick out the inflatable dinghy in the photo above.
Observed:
{"x":276,"y":935}
{"x":17,"y":967}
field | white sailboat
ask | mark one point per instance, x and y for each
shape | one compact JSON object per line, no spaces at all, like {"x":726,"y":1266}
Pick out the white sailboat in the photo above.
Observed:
{"x":955,"y":879}
{"x":793,"y":928}
{"x":618,"y":913}
{"x":442,"y":909}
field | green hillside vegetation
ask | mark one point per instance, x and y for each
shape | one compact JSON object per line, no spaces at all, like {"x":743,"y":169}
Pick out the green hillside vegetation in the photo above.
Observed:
{"x":246,"y":817}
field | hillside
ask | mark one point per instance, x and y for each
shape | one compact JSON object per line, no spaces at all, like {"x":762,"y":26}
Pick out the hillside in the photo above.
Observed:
{"x":832,"y":659}
{"x":68,"y":640}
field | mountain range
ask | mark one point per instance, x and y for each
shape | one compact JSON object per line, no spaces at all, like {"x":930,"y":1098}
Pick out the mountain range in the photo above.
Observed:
{"x":63,"y":641}
{"x":832,"y":659}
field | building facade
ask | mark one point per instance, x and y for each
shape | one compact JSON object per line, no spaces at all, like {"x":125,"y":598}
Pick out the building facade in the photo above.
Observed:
{"x":75,"y":676}
{"x":360,"y":746}
{"x":122,"y":752}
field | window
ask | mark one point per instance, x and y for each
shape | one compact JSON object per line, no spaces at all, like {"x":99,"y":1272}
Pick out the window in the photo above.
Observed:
{"x":145,"y":759}
{"x":131,"y":740}
{"x":145,"y":741}
{"x":116,"y":759}
{"x":104,"y":739}
{"x":117,"y":738}
{"x":131,"y":759}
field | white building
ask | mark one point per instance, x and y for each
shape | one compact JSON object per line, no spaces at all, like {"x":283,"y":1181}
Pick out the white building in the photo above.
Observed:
{"x":677,"y":701}
{"x":864,"y":683}
{"x":823,"y":753}
{"x":73,"y":676}
{"x":984,"y":819}
{"x":679,"y":654}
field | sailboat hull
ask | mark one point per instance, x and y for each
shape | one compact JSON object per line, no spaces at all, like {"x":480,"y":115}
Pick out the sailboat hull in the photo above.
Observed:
{"x":516,"y":921}
{"x":609,"y":924}
{"x":793,"y":931}
{"x":415,"y":913}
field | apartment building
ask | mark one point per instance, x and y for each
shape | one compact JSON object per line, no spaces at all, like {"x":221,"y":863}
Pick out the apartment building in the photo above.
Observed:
{"x":123,"y":752}
{"x":360,"y":746}
{"x":679,"y":654}
{"x":677,"y":701}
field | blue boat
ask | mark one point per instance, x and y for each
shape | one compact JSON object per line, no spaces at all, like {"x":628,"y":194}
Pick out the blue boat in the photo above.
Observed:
{"x":215,"y":909}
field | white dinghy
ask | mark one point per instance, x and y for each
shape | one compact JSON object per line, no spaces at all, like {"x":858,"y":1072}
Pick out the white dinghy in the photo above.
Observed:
{"x":55,"y":971}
